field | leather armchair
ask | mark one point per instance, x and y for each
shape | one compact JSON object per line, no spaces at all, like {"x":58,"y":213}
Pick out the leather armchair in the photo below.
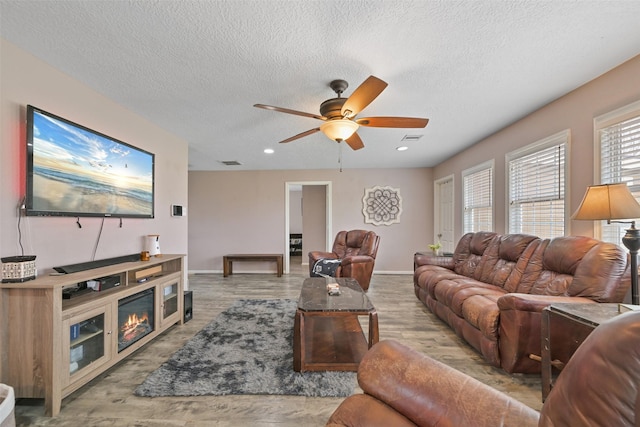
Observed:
{"x":357,"y":250}
{"x":598,"y":387}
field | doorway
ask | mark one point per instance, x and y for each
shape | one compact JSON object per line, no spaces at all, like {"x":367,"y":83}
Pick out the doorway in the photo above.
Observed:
{"x":321,"y":230}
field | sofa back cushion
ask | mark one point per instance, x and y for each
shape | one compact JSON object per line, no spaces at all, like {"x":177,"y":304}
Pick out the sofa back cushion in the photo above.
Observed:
{"x":576,"y":266}
{"x":533,"y":270}
{"x":355,"y":242}
{"x":604,"y":275}
{"x":505,"y":259}
{"x":469,"y":251}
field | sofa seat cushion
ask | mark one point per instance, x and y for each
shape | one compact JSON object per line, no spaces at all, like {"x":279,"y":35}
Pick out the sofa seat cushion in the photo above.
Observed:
{"x":430,"y":277}
{"x":446,"y":290}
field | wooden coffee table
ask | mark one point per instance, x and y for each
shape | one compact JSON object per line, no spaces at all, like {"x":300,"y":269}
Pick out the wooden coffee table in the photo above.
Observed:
{"x":327,"y":333}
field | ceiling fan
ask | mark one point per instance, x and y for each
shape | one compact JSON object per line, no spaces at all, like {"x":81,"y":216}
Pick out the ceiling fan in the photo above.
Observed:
{"x":339,"y":114}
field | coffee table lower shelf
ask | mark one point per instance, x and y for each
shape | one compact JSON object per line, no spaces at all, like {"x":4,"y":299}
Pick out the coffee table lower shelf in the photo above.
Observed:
{"x":330,"y":343}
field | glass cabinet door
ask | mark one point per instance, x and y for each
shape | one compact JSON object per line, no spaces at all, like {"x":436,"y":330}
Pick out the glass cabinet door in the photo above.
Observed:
{"x":169,"y":299}
{"x":86,"y":342}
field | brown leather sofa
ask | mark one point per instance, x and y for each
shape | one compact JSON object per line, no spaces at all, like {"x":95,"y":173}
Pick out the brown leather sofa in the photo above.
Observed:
{"x":357,"y":250}
{"x":492,"y":291}
{"x":598,"y":387}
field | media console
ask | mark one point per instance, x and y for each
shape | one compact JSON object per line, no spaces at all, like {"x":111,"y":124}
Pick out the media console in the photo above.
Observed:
{"x":52,"y":345}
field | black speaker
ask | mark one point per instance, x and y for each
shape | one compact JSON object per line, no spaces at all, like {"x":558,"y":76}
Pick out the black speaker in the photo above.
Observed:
{"x":188,"y":306}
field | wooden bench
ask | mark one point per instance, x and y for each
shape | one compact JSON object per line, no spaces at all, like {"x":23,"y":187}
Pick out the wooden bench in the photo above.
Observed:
{"x":227,"y":261}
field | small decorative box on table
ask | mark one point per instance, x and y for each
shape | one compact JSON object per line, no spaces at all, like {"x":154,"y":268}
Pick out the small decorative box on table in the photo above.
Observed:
{"x":16,"y":269}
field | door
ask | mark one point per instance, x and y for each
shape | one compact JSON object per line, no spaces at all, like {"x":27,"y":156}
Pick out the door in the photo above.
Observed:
{"x":443,"y":206}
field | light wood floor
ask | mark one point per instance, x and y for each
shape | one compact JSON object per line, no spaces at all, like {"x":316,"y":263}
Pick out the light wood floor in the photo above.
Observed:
{"x":109,"y":401}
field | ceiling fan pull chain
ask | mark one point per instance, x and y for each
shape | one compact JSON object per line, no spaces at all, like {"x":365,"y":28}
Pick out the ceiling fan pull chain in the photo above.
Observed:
{"x":340,"y":155}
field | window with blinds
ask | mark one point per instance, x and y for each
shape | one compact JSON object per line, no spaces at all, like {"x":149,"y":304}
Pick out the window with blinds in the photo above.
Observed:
{"x":536,"y":187}
{"x":618,"y":137}
{"x":477,"y":190}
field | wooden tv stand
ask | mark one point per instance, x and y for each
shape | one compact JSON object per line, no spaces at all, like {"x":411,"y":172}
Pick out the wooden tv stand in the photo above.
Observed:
{"x":47,"y":355}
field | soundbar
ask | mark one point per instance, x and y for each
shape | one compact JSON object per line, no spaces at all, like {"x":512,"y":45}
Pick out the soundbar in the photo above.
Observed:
{"x":74,"y":268}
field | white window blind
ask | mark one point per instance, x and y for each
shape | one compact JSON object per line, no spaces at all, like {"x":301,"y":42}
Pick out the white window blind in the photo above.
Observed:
{"x":619,"y":138}
{"x":477,"y":191}
{"x":537,"y":188}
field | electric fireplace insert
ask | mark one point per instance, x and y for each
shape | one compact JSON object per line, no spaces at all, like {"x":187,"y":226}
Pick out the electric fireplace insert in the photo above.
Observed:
{"x":135,"y":318}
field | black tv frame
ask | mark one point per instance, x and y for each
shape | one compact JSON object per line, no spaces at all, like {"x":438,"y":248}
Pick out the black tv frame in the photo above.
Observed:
{"x":29,"y":197}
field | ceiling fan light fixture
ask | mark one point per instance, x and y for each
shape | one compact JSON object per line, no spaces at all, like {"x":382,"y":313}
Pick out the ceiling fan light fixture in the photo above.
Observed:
{"x":339,"y":129}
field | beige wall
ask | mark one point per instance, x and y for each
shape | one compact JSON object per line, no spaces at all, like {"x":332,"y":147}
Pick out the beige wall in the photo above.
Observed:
{"x":295,"y":211}
{"x":243,"y":211}
{"x":58,"y":240}
{"x":574,"y":111}
{"x":314,"y":222}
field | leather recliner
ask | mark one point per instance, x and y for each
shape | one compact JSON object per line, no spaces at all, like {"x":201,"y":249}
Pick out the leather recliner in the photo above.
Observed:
{"x":598,"y":387}
{"x":356,"y":250}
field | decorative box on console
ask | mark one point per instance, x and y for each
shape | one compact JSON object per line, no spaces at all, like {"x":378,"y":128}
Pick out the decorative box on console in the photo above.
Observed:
{"x":18,"y":268}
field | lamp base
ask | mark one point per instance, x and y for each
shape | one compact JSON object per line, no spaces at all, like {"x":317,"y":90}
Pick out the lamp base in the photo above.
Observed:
{"x":631,"y":241}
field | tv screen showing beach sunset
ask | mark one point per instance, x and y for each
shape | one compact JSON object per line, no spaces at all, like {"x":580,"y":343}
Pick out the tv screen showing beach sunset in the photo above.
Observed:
{"x":75,"y":171}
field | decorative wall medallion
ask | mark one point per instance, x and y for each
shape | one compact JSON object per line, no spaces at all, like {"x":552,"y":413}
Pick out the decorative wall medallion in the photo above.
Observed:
{"x":382,"y":205}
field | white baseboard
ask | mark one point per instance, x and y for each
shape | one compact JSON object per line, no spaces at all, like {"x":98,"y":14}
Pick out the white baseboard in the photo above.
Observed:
{"x":393,"y":272}
{"x":410,"y":272}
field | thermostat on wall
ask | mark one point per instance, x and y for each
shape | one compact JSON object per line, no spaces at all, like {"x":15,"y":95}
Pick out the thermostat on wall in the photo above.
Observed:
{"x":178,"y":210}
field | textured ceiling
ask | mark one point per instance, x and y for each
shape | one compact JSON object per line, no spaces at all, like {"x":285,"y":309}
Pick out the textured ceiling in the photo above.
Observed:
{"x":196,"y":68}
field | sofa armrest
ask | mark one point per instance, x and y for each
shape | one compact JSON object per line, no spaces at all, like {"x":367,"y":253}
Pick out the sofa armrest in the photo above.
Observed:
{"x":520,"y":329}
{"x":362,"y":410}
{"x":356,"y":259}
{"x":316,"y":255}
{"x":441,"y":261}
{"x":430,"y":393}
{"x":536,"y":303}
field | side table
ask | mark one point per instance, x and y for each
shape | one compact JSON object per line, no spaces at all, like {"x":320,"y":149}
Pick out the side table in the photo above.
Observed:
{"x":564,"y":327}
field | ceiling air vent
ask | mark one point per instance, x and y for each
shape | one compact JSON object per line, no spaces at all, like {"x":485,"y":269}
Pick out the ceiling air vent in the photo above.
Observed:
{"x":411,"y":137}
{"x":230,"y":162}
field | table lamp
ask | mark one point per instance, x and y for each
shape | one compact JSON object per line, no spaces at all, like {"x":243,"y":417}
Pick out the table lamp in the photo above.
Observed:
{"x":613,"y":202}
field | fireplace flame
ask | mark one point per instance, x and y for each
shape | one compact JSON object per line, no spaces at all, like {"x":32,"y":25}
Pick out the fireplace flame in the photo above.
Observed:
{"x":134,"y":321}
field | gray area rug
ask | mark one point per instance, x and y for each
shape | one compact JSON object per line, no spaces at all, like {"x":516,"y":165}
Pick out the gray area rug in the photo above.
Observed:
{"x":247,"y":349}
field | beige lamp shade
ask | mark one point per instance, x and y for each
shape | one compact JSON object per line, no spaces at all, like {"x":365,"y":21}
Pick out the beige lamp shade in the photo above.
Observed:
{"x":339,"y":129}
{"x":607,"y":202}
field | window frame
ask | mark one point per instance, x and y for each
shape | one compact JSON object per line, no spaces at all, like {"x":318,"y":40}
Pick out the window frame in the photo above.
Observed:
{"x":560,"y":138}
{"x":490,"y":166}
{"x":601,"y":122}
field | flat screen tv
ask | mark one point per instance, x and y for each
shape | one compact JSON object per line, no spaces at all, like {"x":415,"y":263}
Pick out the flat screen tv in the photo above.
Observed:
{"x":75,"y":171}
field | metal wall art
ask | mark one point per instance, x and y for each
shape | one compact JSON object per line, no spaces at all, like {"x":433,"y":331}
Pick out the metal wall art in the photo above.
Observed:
{"x":382,"y":205}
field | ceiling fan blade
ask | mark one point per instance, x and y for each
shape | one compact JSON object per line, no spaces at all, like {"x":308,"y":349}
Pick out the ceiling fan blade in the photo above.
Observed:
{"x":288,"y":111}
{"x":362,"y":96}
{"x":355,"y":142}
{"x":393,"y":122}
{"x":300,"y":135}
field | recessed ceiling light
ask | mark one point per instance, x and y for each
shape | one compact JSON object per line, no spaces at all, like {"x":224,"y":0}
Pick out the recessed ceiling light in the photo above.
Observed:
{"x":268,"y":151}
{"x":403,"y":148}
